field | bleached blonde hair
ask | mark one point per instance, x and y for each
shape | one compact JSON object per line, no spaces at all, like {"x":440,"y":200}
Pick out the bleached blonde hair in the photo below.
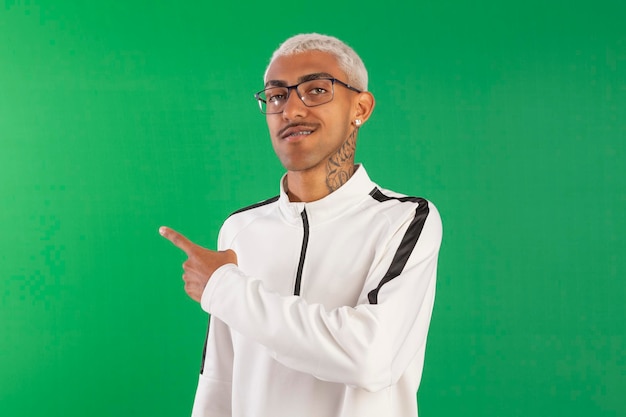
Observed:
{"x":348,"y":60}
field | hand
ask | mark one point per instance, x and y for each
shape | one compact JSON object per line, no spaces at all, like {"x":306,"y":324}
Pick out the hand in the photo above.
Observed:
{"x":200,"y":263}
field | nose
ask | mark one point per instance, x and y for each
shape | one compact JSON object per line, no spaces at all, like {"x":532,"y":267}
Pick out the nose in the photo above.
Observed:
{"x":294,"y":107}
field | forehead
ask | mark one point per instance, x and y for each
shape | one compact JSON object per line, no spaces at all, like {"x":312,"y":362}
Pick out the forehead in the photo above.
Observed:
{"x":291,"y":68}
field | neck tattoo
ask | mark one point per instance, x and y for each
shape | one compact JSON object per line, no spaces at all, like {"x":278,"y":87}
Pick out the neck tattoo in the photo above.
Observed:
{"x":340,"y":166}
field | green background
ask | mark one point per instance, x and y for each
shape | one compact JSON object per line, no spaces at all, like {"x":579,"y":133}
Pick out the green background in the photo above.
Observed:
{"x":118,"y":117}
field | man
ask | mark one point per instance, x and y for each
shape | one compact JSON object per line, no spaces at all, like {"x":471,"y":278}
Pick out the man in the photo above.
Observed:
{"x":320,"y":298}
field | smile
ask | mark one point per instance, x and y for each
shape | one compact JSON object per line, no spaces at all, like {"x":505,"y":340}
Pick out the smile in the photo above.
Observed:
{"x":304,"y":132}
{"x":296,"y":130}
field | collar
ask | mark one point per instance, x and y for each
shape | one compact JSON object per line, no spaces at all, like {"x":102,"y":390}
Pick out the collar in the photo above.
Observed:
{"x":333,"y":205}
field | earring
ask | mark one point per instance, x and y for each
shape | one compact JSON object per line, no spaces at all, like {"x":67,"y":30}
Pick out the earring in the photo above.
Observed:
{"x":357,"y":122}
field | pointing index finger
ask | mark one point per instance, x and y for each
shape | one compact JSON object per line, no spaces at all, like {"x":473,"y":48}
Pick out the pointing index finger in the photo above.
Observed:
{"x":176,"y":238}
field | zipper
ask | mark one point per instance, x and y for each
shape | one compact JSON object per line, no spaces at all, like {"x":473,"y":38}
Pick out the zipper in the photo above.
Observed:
{"x":305,"y":242}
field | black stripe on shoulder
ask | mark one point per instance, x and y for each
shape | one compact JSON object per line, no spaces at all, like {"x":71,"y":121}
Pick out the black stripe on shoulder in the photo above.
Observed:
{"x":409,"y":240}
{"x":379,"y":196}
{"x":253,"y":206}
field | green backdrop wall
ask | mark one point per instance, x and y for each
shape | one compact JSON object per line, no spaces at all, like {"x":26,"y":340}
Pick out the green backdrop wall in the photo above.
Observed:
{"x":118,"y":117}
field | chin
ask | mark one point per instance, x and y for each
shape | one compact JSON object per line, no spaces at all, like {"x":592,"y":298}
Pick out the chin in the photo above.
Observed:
{"x":297,"y":166}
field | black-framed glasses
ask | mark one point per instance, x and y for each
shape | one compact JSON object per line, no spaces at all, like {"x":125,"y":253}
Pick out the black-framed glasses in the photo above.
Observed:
{"x":313,"y":93}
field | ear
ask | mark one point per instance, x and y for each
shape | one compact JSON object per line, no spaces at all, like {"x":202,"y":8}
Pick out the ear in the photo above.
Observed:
{"x":363,"y":106}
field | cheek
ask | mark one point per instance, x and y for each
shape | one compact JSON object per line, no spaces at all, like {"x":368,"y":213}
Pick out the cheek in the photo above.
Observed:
{"x":342,"y":124}
{"x":272,"y":125}
{"x":341,"y":114}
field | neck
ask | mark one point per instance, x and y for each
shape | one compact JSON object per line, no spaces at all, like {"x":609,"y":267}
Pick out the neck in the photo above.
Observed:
{"x":315,"y":184}
{"x":306,"y":186}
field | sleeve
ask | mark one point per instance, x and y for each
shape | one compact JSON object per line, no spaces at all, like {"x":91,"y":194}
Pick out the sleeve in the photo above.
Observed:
{"x":214,"y":392}
{"x":368,"y":346}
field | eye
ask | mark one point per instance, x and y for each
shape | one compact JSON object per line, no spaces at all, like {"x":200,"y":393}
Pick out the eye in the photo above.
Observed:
{"x":274,"y":98}
{"x":317,"y":90}
{"x":275,"y":95}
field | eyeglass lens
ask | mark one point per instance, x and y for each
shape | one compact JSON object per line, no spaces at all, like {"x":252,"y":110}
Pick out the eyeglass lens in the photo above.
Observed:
{"x":312,"y":93}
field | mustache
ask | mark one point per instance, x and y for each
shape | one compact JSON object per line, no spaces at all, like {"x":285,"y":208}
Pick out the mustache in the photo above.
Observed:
{"x":282,"y":131}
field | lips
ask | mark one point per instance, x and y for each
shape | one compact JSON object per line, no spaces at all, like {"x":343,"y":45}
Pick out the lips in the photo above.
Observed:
{"x":296,"y":131}
{"x":296,"y":134}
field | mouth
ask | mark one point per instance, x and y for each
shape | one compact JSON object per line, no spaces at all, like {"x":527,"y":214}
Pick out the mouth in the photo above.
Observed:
{"x":295,"y":135}
{"x":296,"y":132}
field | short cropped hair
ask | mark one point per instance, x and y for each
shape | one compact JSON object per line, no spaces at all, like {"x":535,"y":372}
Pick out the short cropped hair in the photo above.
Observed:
{"x":347,"y":59}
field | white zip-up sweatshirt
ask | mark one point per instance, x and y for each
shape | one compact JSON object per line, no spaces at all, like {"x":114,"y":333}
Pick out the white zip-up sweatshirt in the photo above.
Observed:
{"x":327,"y":313}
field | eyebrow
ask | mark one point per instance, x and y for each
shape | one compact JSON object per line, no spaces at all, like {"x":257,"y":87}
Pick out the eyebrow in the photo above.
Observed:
{"x":308,"y":77}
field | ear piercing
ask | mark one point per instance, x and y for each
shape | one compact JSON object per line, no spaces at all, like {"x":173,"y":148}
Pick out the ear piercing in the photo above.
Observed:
{"x":357,"y":122}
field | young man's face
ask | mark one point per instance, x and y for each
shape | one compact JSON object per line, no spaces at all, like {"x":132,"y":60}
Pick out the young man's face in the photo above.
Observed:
{"x":304,"y":137}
